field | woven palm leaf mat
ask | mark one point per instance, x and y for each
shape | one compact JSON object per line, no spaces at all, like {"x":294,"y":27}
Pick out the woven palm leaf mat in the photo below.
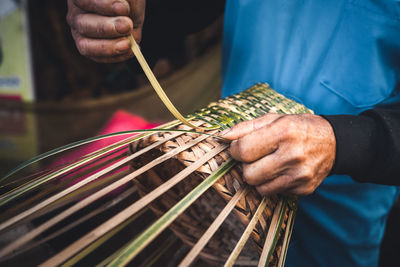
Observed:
{"x":250,"y":104}
{"x":164,"y":197}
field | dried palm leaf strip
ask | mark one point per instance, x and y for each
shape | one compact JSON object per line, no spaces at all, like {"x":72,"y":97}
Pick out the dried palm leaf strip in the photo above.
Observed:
{"x":250,"y":109}
{"x":84,"y":191}
{"x":31,"y":185}
{"x":30,"y":201}
{"x":288,"y":233}
{"x":152,"y":259}
{"x":80,"y":184}
{"x":69,"y":147}
{"x":75,"y":196}
{"x":58,"y":171}
{"x":139,"y":243}
{"x":129,"y":211}
{"x":246,"y":234}
{"x":169,"y":242}
{"x":194,"y":252}
{"x":86,"y":217}
{"x":41,"y":205}
{"x":190,"y":226}
{"x":72,"y":261}
{"x":142,"y":133}
{"x":48,"y":176}
{"x":157,"y":87}
{"x":112,"y":256}
{"x":273,"y":233}
{"x":78,"y":206}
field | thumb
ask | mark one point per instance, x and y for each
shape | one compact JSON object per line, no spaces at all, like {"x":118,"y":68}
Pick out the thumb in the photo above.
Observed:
{"x":244,"y":128}
{"x":137,"y":14}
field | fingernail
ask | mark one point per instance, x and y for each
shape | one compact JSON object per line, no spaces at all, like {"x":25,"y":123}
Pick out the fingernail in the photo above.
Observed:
{"x":224,"y":132}
{"x":121,"y":8}
{"x":122,"y":46}
{"x":121,"y":27}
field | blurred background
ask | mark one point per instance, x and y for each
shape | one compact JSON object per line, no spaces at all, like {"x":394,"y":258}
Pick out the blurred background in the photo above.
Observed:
{"x":50,"y":95}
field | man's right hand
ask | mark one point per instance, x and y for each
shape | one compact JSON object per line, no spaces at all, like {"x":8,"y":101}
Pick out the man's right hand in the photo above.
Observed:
{"x":101,"y":27}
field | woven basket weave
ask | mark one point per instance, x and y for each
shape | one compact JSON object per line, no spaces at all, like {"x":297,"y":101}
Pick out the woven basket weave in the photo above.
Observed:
{"x":250,"y":104}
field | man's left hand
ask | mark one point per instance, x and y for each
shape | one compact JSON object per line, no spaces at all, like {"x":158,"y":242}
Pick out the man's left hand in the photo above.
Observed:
{"x":289,"y":154}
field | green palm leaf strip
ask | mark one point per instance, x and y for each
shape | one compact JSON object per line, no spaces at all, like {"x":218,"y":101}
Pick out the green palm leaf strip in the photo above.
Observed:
{"x":133,"y":208}
{"x":150,"y":260}
{"x":139,"y":243}
{"x":60,"y":199}
{"x":118,"y":146}
{"x":101,"y":240}
{"x":41,"y":180}
{"x":80,"y":143}
{"x":107,"y":260}
{"x":273,"y":233}
{"x":87,"y":141}
{"x":83,"y":203}
{"x":246,"y":234}
{"x":288,"y":233}
{"x":208,"y":234}
{"x":65,"y":148}
{"x":86,"y":159}
{"x":12,"y":195}
{"x":108,"y":205}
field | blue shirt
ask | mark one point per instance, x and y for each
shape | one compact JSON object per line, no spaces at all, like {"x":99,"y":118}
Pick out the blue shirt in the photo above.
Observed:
{"x":336,"y":57}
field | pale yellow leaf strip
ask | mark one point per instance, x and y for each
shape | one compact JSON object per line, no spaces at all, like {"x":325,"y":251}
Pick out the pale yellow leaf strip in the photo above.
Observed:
{"x":246,"y":234}
{"x":40,"y":229}
{"x":156,"y":85}
{"x":194,"y":252}
{"x":130,"y":211}
{"x":74,"y":187}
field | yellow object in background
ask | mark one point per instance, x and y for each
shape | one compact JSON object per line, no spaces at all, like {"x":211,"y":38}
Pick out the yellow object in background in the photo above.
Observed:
{"x":18,"y":133}
{"x":15,"y":64}
{"x":18,"y":136}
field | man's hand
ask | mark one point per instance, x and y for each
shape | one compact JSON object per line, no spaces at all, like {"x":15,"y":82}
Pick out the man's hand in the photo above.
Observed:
{"x":289,"y":154}
{"x":100,"y":27}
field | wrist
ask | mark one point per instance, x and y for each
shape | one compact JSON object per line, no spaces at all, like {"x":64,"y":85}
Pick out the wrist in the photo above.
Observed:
{"x":354,"y":143}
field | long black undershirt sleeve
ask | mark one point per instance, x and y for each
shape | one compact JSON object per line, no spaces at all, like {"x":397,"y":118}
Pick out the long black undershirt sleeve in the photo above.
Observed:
{"x":368,"y":145}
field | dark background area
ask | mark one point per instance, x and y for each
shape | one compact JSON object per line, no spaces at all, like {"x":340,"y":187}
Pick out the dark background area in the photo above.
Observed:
{"x":62,"y":74}
{"x":76,"y":97}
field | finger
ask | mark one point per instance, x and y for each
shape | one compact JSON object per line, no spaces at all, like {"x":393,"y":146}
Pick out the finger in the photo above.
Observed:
{"x":102,"y":47}
{"x":301,"y":190}
{"x":246,"y":127}
{"x":104,"y":7}
{"x":96,"y":26}
{"x":278,"y":185}
{"x":304,"y":181}
{"x":264,"y":169}
{"x":256,"y":144}
{"x":114,"y":59}
{"x":137,"y":15}
{"x":289,"y":183}
{"x":73,"y":11}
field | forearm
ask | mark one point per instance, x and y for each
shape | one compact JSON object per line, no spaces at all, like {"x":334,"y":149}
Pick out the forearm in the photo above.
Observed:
{"x":368,"y":145}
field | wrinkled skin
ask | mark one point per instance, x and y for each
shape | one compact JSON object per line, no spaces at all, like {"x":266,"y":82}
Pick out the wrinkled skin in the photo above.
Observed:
{"x":100,"y":27}
{"x":290,"y":154}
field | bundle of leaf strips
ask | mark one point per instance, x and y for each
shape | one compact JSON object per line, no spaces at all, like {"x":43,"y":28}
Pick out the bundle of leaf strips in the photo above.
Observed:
{"x":191,"y":225}
{"x":185,"y":177}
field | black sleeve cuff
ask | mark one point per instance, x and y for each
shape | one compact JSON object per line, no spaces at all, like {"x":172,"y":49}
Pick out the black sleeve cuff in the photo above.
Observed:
{"x":355,"y":136}
{"x":368,"y":145}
